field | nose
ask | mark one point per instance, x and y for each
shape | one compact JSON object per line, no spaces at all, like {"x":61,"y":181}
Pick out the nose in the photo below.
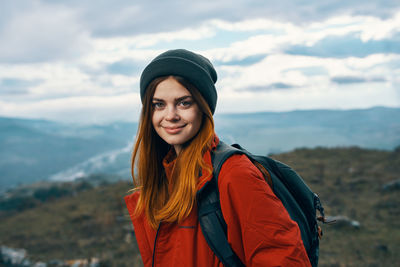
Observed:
{"x":172,"y":114}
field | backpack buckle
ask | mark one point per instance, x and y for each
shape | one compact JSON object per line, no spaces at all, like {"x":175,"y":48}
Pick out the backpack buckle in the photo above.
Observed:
{"x":319,"y":207}
{"x":326,"y":221}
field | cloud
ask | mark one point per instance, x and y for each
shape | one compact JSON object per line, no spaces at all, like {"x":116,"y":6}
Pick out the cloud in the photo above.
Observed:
{"x":125,"y":67}
{"x":279,"y":72}
{"x":355,"y":79}
{"x":394,"y":64}
{"x":126,"y":18}
{"x":82,"y":109}
{"x":13,"y":86}
{"x":250,"y":60}
{"x":280,"y":86}
{"x":338,"y":37}
{"x":85,"y":55}
{"x":311,"y":71}
{"x":269,"y":87}
{"x":68,"y":29}
{"x":39,"y":33}
{"x":348,"y":79}
{"x":323,"y":97}
{"x":347,"y":46}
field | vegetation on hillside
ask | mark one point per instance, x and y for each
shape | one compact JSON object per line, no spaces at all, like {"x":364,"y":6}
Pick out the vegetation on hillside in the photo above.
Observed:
{"x":85,"y":220}
{"x":354,"y":182}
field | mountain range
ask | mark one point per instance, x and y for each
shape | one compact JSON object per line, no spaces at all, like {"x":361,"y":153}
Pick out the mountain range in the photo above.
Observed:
{"x":34,"y":150}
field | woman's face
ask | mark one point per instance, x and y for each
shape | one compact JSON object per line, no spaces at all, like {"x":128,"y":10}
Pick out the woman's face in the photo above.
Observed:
{"x":176,"y":116}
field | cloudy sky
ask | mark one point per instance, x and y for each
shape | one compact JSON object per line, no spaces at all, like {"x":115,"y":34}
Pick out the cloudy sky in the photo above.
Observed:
{"x":80,"y":61}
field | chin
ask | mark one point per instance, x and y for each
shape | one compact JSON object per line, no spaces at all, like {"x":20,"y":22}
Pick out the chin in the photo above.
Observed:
{"x":175,"y":142}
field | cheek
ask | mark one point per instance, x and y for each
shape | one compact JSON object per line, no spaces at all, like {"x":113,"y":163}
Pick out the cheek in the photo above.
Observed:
{"x":197,"y":120}
{"x":155,"y":119}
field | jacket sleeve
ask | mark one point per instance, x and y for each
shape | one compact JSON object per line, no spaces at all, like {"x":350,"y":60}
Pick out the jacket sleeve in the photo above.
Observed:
{"x":144,"y":235}
{"x":259,"y":228}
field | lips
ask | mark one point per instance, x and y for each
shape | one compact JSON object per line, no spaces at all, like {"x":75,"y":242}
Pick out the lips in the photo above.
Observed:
{"x":174,"y":130}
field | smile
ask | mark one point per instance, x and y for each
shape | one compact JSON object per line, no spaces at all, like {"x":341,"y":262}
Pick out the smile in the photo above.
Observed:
{"x":173,"y":130}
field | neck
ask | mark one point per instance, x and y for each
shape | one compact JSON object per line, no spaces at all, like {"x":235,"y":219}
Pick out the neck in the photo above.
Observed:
{"x":178,"y":149}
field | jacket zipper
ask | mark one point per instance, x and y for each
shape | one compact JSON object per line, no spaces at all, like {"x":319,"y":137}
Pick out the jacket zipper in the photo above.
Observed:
{"x":155,"y":244}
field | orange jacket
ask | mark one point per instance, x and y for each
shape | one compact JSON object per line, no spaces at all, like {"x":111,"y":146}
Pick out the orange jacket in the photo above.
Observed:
{"x":259,"y":228}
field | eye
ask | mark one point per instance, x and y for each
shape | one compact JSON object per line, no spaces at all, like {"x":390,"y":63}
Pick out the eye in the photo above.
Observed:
{"x":158,"y":105}
{"x":185,"y":103}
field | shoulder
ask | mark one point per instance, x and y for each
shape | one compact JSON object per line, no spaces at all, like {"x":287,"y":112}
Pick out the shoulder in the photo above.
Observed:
{"x":133,"y":196}
{"x":239,"y":173}
{"x":131,"y":201}
{"x":238,"y":167}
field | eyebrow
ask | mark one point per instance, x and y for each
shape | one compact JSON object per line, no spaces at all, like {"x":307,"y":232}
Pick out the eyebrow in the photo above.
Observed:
{"x":176,"y":99}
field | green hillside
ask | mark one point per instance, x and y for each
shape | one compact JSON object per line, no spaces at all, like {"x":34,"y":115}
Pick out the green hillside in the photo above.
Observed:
{"x":90,"y":220}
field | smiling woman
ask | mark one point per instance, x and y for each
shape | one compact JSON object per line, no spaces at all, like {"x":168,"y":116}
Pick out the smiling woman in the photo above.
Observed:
{"x":172,"y":162}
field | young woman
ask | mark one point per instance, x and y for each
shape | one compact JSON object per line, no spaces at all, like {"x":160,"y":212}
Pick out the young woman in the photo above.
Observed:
{"x":171,"y":161}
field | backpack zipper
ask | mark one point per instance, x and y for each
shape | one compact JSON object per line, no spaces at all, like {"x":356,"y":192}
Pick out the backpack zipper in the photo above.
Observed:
{"x":155,"y":244}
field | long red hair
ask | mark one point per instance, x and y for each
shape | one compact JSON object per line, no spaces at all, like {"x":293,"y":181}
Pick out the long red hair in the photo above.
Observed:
{"x":159,"y":200}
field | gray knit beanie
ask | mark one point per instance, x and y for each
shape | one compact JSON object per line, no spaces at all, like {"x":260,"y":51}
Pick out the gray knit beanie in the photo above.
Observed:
{"x":195,"y":68}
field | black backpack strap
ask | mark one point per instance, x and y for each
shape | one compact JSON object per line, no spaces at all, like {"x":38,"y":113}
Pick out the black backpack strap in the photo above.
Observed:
{"x":222,"y":152}
{"x":210,"y":215}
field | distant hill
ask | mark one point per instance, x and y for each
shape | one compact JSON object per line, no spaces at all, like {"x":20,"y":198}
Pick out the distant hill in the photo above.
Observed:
{"x":32,"y":150}
{"x":88,"y":218}
{"x":274,"y":132}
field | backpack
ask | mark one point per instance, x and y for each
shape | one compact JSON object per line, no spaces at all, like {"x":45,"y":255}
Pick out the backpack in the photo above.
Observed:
{"x":300,"y":202}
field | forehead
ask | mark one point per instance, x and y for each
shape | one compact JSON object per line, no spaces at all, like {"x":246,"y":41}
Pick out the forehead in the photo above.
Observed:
{"x":170,"y":88}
